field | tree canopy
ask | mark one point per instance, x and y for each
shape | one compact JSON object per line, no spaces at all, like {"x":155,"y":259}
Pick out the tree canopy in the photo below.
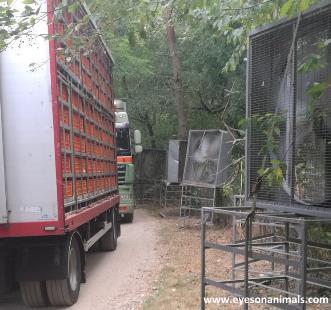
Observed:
{"x":179,"y":64}
{"x":210,"y":40}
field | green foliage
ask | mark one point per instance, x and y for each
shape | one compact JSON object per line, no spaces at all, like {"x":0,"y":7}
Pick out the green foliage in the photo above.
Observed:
{"x":234,"y":19}
{"x":17,"y":21}
{"x":143,"y":74}
{"x":291,"y":7}
{"x":14,"y":22}
{"x":316,"y":90}
{"x":268,"y":126}
{"x":273,"y":175}
{"x":311,"y":63}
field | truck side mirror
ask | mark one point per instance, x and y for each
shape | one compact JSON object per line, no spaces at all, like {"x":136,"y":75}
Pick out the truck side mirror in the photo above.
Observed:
{"x":137,"y":137}
{"x":138,"y":149}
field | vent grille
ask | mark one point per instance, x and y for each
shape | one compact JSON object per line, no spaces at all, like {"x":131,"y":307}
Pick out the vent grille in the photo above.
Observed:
{"x":121,"y":170}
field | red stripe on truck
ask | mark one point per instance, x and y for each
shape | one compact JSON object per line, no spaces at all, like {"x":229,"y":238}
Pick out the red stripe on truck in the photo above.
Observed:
{"x":30,"y":229}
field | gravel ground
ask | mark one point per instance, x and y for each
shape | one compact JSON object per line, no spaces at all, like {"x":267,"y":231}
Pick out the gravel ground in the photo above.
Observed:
{"x":117,"y":280}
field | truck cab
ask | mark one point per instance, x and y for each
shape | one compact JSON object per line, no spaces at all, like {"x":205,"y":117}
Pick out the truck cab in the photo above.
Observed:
{"x":127,"y":146}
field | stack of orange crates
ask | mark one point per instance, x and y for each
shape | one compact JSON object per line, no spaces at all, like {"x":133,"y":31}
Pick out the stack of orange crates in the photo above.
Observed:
{"x":86,"y":110}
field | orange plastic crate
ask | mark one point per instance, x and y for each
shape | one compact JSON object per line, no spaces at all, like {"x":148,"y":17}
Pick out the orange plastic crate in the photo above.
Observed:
{"x":89,"y":166}
{"x":91,"y":185}
{"x":83,"y":165}
{"x":81,"y":124}
{"x":65,"y":140}
{"x":76,"y":121}
{"x":98,"y":167}
{"x":78,"y":168}
{"x":63,"y":91}
{"x":77,"y":146}
{"x":67,"y":189}
{"x":66,"y":164}
{"x":89,"y":147}
{"x":74,"y":99}
{"x":84,"y":185}
{"x":65,"y":116}
{"x":81,"y":187}
{"x":83,"y":145}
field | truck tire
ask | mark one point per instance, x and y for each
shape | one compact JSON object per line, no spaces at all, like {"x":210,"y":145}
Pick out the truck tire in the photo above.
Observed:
{"x":34,"y":293}
{"x":65,"y":292}
{"x":128,"y":218}
{"x":108,"y":241}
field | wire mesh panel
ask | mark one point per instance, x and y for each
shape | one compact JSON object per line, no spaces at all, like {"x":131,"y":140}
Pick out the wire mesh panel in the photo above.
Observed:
{"x":150,"y":165}
{"x":207,"y":158}
{"x":288,"y":105}
{"x":150,"y":168}
{"x":176,"y":160}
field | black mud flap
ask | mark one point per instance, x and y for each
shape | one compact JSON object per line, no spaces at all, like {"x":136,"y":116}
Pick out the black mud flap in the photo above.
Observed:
{"x":6,"y":270}
{"x":40,"y":259}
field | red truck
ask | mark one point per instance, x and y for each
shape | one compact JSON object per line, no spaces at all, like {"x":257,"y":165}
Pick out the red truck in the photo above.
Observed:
{"x":58,"y":173}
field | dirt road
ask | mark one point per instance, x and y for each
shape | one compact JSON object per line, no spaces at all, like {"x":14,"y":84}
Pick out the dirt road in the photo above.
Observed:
{"x":117,"y":280}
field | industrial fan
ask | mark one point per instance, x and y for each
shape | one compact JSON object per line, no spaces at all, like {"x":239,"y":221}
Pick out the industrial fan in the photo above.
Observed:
{"x":206,"y":157}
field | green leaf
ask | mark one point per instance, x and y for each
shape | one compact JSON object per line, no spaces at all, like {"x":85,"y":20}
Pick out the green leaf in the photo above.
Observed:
{"x":72,"y":8}
{"x":278,"y":173}
{"x":29,"y":1}
{"x":275,"y":162}
{"x":311,"y":63}
{"x":304,"y":5}
{"x":277,"y":131}
{"x":324,"y":44}
{"x":316,"y":90}
{"x":286,"y":8}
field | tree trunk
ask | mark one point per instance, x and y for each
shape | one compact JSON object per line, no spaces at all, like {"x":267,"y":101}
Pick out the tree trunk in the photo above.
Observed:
{"x":176,"y":67}
{"x":150,"y":130}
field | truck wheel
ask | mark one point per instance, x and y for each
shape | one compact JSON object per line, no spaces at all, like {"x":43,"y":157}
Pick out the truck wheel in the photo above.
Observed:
{"x":65,"y":292}
{"x":108,"y":241}
{"x":129,"y":218}
{"x":34,"y":293}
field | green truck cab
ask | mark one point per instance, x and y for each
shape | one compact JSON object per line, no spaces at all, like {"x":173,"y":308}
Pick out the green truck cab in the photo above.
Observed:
{"x":127,"y":147}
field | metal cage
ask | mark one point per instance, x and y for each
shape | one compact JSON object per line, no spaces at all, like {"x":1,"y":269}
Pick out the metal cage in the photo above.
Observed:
{"x":288,"y":106}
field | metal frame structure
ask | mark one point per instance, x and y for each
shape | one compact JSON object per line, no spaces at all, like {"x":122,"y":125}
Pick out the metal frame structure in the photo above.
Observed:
{"x":194,"y":198}
{"x":148,"y":192}
{"x":198,"y":193}
{"x":283,"y":242}
{"x":171,"y":193}
{"x":279,"y":26}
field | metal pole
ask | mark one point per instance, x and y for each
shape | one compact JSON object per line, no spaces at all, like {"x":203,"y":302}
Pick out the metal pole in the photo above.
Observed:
{"x":303,"y":263}
{"x":247,"y":233}
{"x":234,"y":239}
{"x":273,"y":239}
{"x":287,"y":248}
{"x":203,"y":260}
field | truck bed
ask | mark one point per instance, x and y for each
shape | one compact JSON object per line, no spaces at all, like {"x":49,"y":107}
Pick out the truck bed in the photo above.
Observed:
{"x":58,"y":159}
